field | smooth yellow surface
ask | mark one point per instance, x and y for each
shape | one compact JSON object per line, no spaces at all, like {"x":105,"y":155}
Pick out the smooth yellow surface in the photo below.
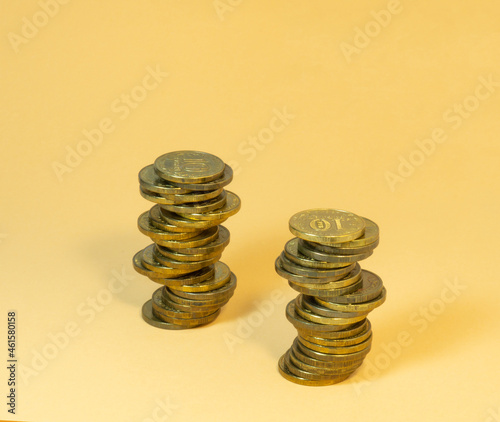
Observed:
{"x":333,"y":110}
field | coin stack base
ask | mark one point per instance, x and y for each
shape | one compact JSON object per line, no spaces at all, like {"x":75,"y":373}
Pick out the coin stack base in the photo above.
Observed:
{"x":336,"y":295}
{"x":185,"y":226}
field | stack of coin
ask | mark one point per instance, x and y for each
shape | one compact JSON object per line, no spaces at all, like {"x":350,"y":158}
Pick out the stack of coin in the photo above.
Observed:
{"x":185,"y":226}
{"x":336,"y":295}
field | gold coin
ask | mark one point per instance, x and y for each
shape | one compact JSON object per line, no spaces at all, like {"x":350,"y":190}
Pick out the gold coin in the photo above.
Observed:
{"x":192,"y":278}
{"x":227,"y":289}
{"x":371,"y":286}
{"x":216,"y":245}
{"x":198,"y":207}
{"x":310,"y":303}
{"x":231,"y":207}
{"x":306,"y":250}
{"x":219,"y":183}
{"x":337,"y":350}
{"x":310,"y":316}
{"x":326,"y":225}
{"x":163,"y":311}
{"x":370,"y":236}
{"x":295,"y":357}
{"x":285,"y":373}
{"x":145,"y":227}
{"x":156,"y":220}
{"x":148,"y":316}
{"x":218,"y":300}
{"x":205,"y":236}
{"x":177,"y":256}
{"x":332,"y":357}
{"x":180,"y":221}
{"x":221,"y":276}
{"x":149,"y":261}
{"x":184,"y":265}
{"x":192,"y":197}
{"x":327,"y":293}
{"x":320,"y":276}
{"x":293,"y":254}
{"x":328,"y":365}
{"x":149,"y":180}
{"x":189,"y":167}
{"x":340,"y":342}
{"x":341,"y":251}
{"x":350,"y":330}
{"x":313,"y":375}
{"x":355,"y":307}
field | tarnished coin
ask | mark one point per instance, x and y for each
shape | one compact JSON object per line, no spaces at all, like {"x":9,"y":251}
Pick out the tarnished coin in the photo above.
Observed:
{"x":192,"y":197}
{"x":216,"y":245}
{"x":222,"y":292}
{"x":180,"y":221}
{"x":149,"y":261}
{"x":319,"y":319}
{"x":231,"y":207}
{"x":301,"y":279}
{"x":153,"y":196}
{"x":220,"y":277}
{"x":189,"y":167}
{"x":145,"y":227}
{"x":371,"y":286}
{"x":175,"y":255}
{"x":293,"y":254}
{"x":210,"y":299}
{"x":341,"y":251}
{"x":314,"y":376}
{"x":207,"y":310}
{"x":340,"y":342}
{"x":306,"y":250}
{"x":147,"y":315}
{"x":355,"y":307}
{"x":219,"y":183}
{"x":157,"y":221}
{"x":198,"y":207}
{"x":149,"y":180}
{"x":312,"y":327}
{"x":309,"y":303}
{"x":296,"y":358}
{"x":323,"y":275}
{"x":326,"y":225}
{"x":285,"y":373}
{"x":205,"y":236}
{"x":370,"y":236}
{"x":186,"y":266}
{"x":162,"y":309}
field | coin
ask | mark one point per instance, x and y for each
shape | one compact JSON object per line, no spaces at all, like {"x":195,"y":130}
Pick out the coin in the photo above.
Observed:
{"x":323,"y":276}
{"x":219,"y":293}
{"x":163,"y":311}
{"x":345,"y":332}
{"x":353,"y":307}
{"x":332,"y":357}
{"x":369,"y":237}
{"x":189,"y":167}
{"x":198,"y":207}
{"x":328,"y":293}
{"x":156,"y":220}
{"x":339,"y":342}
{"x":322,"y":256}
{"x":145,"y":227}
{"x":293,"y":254}
{"x":314,"y":376}
{"x":187,"y":266}
{"x":180,"y":221}
{"x":184,"y":280}
{"x":177,"y":256}
{"x":330,"y":364}
{"x":149,"y":180}
{"x":216,"y":245}
{"x":231,"y":207}
{"x":296,"y":357}
{"x":219,"y":183}
{"x":319,"y":319}
{"x":341,"y":251}
{"x":371,"y":286}
{"x":204,"y":237}
{"x":326,"y":225}
{"x":309,"y":303}
{"x":340,"y":350}
{"x":221,"y":276}
{"x":303,"y":324}
{"x":148,"y":316}
{"x":149,"y":261}
{"x":192,"y":197}
{"x":218,"y":300}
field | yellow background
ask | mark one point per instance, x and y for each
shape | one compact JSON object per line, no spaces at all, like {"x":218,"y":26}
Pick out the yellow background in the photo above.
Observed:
{"x":357,"y":104}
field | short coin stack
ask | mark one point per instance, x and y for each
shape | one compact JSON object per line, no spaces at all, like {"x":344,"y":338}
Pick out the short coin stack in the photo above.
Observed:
{"x":336,"y":295}
{"x":191,"y":203}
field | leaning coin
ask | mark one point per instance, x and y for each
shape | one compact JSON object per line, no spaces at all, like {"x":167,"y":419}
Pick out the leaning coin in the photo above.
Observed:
{"x":340,"y":342}
{"x":330,"y":293}
{"x":231,"y":207}
{"x":206,"y":236}
{"x":193,"y":278}
{"x":369,"y":237}
{"x":180,"y":221}
{"x":162,"y":310}
{"x":371,"y":287}
{"x":322,"y":256}
{"x":311,"y":327}
{"x":189,"y":167}
{"x":318,"y":319}
{"x":219,"y":293}
{"x":157,"y":221}
{"x":285,"y":373}
{"x":216,"y":245}
{"x":220,"y":277}
{"x":154,"y":197}
{"x":145,"y":227}
{"x":219,"y":300}
{"x":293,"y":254}
{"x":353,"y":277}
{"x":148,"y":316}
{"x":309,"y":303}
{"x":326,"y":225}
{"x":192,"y":197}
{"x":198,"y":207}
{"x":295,"y":357}
{"x":332,"y":357}
{"x":314,"y":376}
{"x":355,"y":307}
{"x":341,"y":251}
{"x":184,"y":265}
{"x":335,"y":364}
{"x":325,"y":275}
{"x":351,"y":330}
{"x":150,"y":262}
{"x":149,"y":180}
{"x":337,"y":350}
{"x":219,"y":183}
{"x":177,"y":256}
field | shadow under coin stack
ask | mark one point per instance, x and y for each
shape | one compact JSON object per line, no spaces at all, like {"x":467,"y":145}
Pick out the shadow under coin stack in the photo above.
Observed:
{"x":191,"y":203}
{"x":336,"y":295}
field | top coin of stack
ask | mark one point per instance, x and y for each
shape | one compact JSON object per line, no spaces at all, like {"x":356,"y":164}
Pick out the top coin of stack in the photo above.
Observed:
{"x":191,"y":202}
{"x":336,"y":295}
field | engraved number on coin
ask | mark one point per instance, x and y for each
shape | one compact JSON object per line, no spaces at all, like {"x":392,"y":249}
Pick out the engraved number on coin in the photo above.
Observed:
{"x":191,"y":165}
{"x":338,"y":223}
{"x":320,"y":224}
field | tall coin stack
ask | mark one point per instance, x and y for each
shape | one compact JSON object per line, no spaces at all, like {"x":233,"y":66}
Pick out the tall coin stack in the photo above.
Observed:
{"x":336,"y":295}
{"x":191,"y":203}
